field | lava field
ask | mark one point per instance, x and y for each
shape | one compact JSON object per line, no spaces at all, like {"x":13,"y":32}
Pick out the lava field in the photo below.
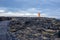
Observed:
{"x":33,"y":28}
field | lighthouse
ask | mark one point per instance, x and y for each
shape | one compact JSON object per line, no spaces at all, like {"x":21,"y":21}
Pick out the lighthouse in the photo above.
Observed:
{"x":38,"y":14}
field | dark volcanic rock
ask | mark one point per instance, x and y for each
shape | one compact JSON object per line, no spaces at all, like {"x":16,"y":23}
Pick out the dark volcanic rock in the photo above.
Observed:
{"x":34,"y":28}
{"x":4,"y":18}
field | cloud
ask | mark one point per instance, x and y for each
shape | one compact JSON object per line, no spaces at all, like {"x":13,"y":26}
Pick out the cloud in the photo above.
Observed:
{"x":20,"y":4}
{"x":47,"y":8}
{"x":32,"y":12}
{"x":44,"y":15}
{"x":10,"y":14}
{"x":1,"y":11}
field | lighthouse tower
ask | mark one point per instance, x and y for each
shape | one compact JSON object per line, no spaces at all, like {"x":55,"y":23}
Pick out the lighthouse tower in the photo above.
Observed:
{"x":38,"y":14}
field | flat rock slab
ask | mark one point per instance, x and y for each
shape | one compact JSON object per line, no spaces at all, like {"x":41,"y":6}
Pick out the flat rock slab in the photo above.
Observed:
{"x":3,"y":30}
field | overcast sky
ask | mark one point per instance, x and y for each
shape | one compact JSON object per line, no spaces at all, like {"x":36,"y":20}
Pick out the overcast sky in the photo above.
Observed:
{"x":47,"y":8}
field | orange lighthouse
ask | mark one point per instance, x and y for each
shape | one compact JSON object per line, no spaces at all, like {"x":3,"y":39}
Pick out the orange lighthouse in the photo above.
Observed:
{"x":38,"y":14}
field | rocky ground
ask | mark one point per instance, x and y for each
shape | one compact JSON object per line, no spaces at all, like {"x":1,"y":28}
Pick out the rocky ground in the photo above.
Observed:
{"x":33,"y":28}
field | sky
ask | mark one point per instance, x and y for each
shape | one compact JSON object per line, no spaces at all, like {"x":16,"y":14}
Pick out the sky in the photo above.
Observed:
{"x":47,"y":8}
